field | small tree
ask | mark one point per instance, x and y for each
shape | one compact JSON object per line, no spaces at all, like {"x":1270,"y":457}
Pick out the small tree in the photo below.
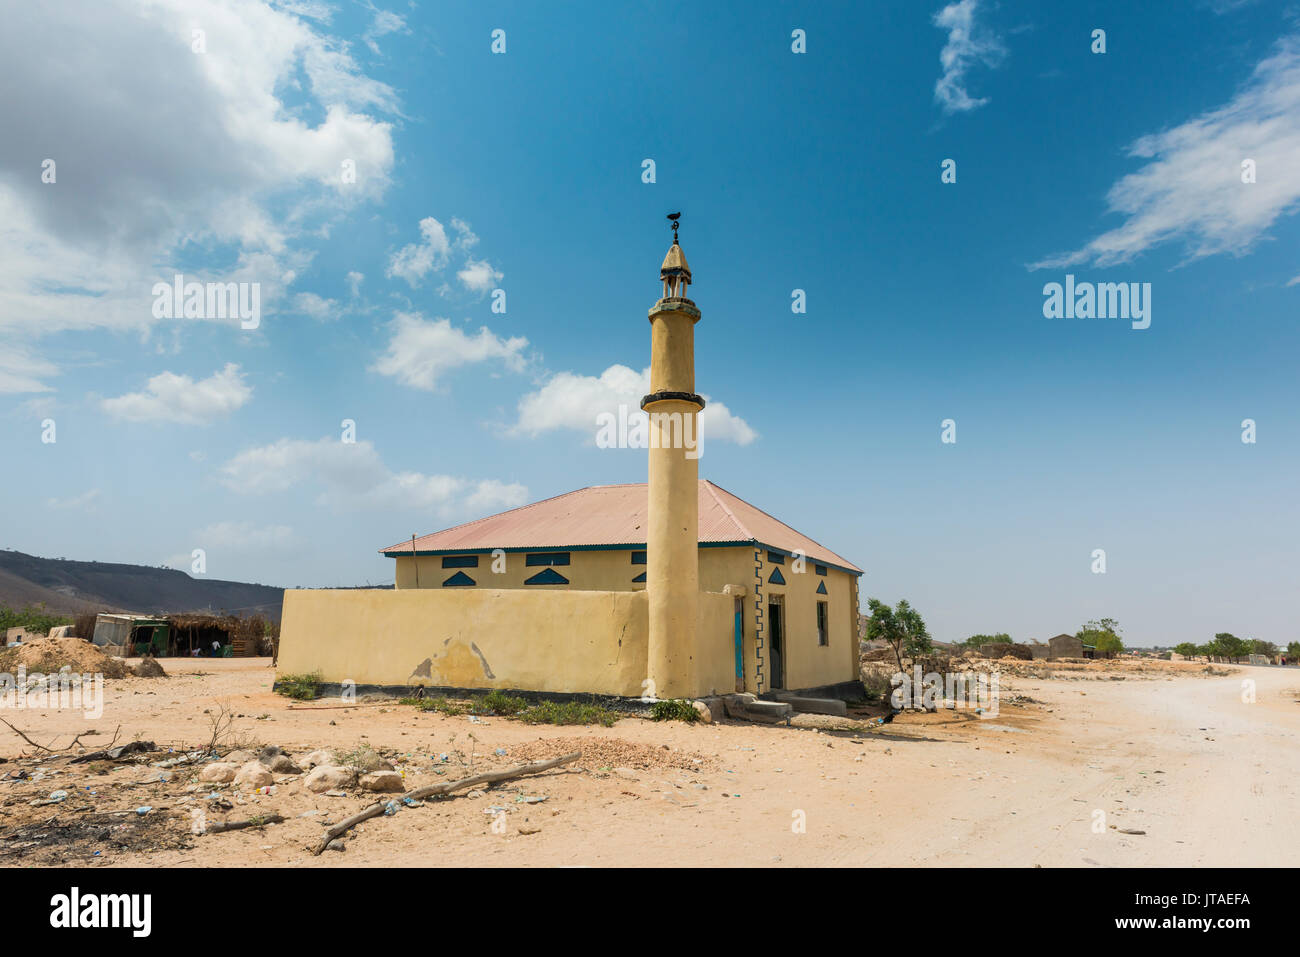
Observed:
{"x":974,"y":641}
{"x":901,"y":627}
{"x":1103,"y":635}
{"x":1227,"y":645}
{"x":1187,"y":649}
{"x":1260,"y":647}
{"x":1293,"y":650}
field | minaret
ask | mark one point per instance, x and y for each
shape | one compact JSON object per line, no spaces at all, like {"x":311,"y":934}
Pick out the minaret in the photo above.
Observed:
{"x":672,"y":536}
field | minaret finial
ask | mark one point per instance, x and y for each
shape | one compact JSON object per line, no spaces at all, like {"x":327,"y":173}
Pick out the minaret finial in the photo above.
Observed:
{"x":674,"y":217}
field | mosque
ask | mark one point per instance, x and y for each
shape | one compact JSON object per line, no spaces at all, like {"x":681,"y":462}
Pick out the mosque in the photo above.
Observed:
{"x":671,"y":588}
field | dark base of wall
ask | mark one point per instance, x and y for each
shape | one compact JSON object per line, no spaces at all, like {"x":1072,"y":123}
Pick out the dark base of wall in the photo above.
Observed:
{"x":326,"y":691}
{"x":844,"y":690}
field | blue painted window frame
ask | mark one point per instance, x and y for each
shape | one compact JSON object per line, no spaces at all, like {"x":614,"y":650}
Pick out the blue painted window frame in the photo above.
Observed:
{"x":534,"y":559}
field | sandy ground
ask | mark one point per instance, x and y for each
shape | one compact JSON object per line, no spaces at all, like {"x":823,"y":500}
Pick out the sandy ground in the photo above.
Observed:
{"x":1169,"y":751}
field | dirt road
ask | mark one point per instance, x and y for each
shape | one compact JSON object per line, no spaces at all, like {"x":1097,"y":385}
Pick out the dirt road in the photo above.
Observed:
{"x":1209,"y":778}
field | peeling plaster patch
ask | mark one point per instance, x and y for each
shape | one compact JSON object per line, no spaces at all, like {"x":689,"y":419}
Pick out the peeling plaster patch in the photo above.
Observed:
{"x":423,"y":670}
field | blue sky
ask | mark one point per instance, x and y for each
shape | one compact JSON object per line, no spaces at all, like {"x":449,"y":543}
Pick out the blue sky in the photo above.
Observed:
{"x":523,"y":171}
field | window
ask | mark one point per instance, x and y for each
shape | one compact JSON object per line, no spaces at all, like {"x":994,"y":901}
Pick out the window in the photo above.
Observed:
{"x":638,"y":558}
{"x":547,"y":558}
{"x":460,"y":561}
{"x":822,"y":637}
{"x":458,"y":580}
{"x":820,"y":569}
{"x":775,"y":558}
{"x":776,"y":578}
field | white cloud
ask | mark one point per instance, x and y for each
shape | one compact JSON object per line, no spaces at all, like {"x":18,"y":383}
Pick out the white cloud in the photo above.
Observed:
{"x":352,"y":475}
{"x":969,"y":44}
{"x":413,"y":261}
{"x":19,"y":370}
{"x":244,"y":535}
{"x":570,"y":401}
{"x":85,"y":501}
{"x":158,"y":147}
{"x":420,"y":351}
{"x":355,"y":279}
{"x":1190,"y":188}
{"x":315,"y":306}
{"x":178,"y":398}
{"x":383,"y":23}
{"x":479,"y":276}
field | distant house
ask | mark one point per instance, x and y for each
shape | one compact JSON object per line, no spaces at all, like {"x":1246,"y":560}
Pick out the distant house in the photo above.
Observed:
{"x":1069,"y":646}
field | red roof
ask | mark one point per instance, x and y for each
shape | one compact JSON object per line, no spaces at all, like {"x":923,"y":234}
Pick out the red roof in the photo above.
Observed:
{"x":613,"y":515}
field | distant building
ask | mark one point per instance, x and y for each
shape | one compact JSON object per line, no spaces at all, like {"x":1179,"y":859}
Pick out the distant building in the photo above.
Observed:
{"x":1069,"y":646}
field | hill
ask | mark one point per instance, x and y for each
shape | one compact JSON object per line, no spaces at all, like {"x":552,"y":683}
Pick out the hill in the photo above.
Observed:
{"x":72,"y":587}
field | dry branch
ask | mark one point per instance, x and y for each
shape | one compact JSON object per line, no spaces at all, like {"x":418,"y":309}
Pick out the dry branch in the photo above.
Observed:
{"x":489,"y":777}
{"x":218,"y":827}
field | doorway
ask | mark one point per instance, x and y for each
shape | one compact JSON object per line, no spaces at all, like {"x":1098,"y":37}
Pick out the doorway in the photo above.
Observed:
{"x":776,"y":643}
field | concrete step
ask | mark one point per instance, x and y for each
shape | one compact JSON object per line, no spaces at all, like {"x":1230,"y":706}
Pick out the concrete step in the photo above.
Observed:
{"x":746,"y":707}
{"x":833,"y":706}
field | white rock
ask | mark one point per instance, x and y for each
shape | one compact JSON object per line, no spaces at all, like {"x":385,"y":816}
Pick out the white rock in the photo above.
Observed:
{"x":383,"y":781}
{"x":315,"y":758}
{"x":327,"y":777}
{"x":253,"y":775}
{"x":219,"y":772}
{"x":705,"y":714}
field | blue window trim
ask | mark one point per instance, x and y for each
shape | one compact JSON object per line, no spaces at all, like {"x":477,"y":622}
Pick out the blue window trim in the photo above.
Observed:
{"x":776,"y":578}
{"x":821,"y":588}
{"x":639,"y":578}
{"x":546,"y":558}
{"x":547,"y":576}
{"x":638,"y":558}
{"x":460,"y":561}
{"x":820,"y":569}
{"x":459,"y":580}
{"x":775,"y":558}
{"x":400,"y":552}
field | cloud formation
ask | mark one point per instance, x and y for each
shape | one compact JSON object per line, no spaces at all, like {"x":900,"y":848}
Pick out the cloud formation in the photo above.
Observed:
{"x":571,"y":401}
{"x":969,"y":45}
{"x":1191,"y":187}
{"x":420,"y":351}
{"x":169,"y":397}
{"x":171,"y":144}
{"x":354,"y":476}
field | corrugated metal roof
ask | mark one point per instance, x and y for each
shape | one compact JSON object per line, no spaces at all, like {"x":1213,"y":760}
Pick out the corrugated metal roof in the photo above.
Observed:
{"x":614,"y":515}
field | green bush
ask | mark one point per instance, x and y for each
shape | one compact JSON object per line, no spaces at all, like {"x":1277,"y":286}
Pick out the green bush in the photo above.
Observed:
{"x":299,"y":687}
{"x":674,"y":709}
{"x":33,"y":618}
{"x":568,"y":712}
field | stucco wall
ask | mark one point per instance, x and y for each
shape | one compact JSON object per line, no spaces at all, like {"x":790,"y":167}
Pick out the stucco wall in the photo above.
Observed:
{"x":555,"y":641}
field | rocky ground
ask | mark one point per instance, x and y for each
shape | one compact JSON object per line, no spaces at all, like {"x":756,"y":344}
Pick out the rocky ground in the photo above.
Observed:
{"x":1158,"y":757}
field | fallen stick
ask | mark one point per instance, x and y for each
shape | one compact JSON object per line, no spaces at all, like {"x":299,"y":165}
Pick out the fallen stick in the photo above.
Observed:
{"x":218,"y":826}
{"x":447,"y":787}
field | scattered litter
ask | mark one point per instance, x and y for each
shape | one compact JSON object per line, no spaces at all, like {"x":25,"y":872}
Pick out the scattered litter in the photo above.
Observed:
{"x":145,"y":809}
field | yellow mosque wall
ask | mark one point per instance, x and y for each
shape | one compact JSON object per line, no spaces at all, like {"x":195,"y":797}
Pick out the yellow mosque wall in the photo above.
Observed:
{"x":558,"y":641}
{"x":589,"y":636}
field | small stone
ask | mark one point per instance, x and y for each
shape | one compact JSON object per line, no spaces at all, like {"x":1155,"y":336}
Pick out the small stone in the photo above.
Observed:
{"x":336,"y":845}
{"x":384,"y":781}
{"x":703,"y":711}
